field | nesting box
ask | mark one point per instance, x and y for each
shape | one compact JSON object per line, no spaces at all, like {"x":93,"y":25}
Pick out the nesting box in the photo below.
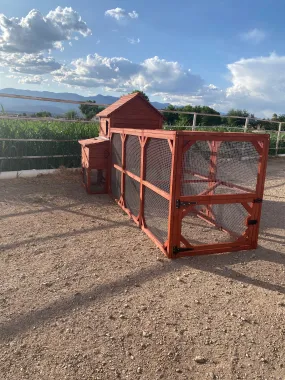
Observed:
{"x":130,"y":111}
{"x":94,"y":163}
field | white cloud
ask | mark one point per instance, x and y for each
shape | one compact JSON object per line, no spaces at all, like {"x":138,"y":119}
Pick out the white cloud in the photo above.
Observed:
{"x":120,"y":74}
{"x":120,"y":14}
{"x":258,"y":84}
{"x":134,"y":41}
{"x":96,"y":71}
{"x":35,"y":32}
{"x":254,"y":35}
{"x":36,"y":79}
{"x":133,"y":14}
{"x":28,"y":63}
{"x":160,"y":75}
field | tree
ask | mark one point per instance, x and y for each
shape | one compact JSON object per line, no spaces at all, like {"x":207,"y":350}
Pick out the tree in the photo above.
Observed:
{"x":90,"y":111}
{"x":207,"y":120}
{"x":71,"y":115}
{"x":185,"y":119}
{"x":42,"y":114}
{"x":171,"y":118}
{"x":279,"y":117}
{"x":144,"y":95}
{"x":237,"y":112}
{"x":274,"y":116}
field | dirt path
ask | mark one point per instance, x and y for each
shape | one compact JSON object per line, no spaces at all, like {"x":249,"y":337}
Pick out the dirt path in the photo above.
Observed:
{"x":84,"y":294}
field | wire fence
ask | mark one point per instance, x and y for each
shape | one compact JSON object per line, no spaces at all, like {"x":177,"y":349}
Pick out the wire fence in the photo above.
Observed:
{"x":48,"y":143}
{"x":16,"y":155}
{"x":277,"y":136}
{"x":42,"y":143}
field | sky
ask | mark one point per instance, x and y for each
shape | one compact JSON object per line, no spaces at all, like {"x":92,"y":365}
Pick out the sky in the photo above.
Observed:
{"x":223,"y":53}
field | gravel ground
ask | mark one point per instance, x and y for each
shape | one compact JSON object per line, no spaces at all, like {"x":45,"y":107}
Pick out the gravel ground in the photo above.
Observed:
{"x":85,"y":294}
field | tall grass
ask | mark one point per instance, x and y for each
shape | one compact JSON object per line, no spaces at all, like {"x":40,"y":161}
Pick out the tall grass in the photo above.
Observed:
{"x":47,"y":130}
{"x":66,"y":130}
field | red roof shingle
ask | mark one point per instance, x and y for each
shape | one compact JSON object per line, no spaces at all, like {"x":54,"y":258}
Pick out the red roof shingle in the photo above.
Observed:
{"x":120,"y":102}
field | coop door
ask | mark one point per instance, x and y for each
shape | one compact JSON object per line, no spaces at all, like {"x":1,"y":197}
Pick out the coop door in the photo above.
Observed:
{"x":212,"y":224}
{"x":218,"y":205}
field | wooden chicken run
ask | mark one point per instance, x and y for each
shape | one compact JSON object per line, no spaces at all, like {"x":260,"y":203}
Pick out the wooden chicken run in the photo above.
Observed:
{"x":192,"y":193}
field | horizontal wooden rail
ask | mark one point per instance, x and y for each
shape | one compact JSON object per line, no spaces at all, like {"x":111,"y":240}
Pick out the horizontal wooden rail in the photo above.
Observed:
{"x":27,"y":118}
{"x":38,"y":140}
{"x":53,"y":100}
{"x":222,"y":116}
{"x":68,"y":101}
{"x":219,"y":198}
{"x":34,"y":157}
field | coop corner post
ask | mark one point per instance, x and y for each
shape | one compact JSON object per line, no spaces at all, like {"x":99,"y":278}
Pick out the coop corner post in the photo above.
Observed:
{"x":246,"y":124}
{"x":257,"y":207}
{"x":143,"y":141}
{"x":194,"y":121}
{"x":174,"y":226}
{"x":109,"y":166}
{"x":123,"y":177}
{"x":278,"y":138}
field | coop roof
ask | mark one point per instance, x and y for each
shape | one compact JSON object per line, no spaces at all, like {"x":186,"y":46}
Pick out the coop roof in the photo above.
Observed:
{"x":122,"y":101}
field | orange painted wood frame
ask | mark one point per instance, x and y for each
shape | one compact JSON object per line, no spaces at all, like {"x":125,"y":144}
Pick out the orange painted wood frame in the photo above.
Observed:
{"x":179,"y":142}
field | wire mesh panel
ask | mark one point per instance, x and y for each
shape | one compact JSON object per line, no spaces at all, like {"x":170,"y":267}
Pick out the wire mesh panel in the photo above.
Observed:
{"x":231,"y":217}
{"x":132,"y":195}
{"x":116,"y":149}
{"x":226,"y":223}
{"x":237,"y":164}
{"x":231,"y":167}
{"x":199,"y":232}
{"x":195,"y":168}
{"x":133,"y":155}
{"x":158,"y":163}
{"x":156,"y":210}
{"x":116,"y":176}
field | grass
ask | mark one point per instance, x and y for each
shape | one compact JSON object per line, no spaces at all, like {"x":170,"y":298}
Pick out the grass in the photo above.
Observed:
{"x":64,"y":130}
{"x":42,"y":129}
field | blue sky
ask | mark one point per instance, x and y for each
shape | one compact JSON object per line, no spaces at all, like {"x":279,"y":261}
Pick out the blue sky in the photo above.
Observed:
{"x":219,"y":53}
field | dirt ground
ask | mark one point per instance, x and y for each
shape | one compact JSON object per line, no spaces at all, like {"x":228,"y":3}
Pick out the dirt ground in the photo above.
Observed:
{"x":85,"y":294}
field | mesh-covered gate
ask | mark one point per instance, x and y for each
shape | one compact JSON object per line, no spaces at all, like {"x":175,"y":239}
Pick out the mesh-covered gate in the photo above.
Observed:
{"x":191,"y":192}
{"x":141,"y":178}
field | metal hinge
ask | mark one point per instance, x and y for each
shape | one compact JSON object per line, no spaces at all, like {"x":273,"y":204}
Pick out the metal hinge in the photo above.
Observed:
{"x":179,"y":203}
{"x":258,"y":200}
{"x":177,"y":249}
{"x":252,"y":222}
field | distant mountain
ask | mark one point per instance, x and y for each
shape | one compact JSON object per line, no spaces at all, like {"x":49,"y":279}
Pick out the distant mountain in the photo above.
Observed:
{"x":32,"y":106}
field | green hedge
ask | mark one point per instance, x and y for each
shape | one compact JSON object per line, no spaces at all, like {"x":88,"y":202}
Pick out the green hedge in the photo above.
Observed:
{"x":42,"y":129}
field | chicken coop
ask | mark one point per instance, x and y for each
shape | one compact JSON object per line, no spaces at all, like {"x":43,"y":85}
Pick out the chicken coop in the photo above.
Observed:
{"x":192,"y":193}
{"x":130,"y":111}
